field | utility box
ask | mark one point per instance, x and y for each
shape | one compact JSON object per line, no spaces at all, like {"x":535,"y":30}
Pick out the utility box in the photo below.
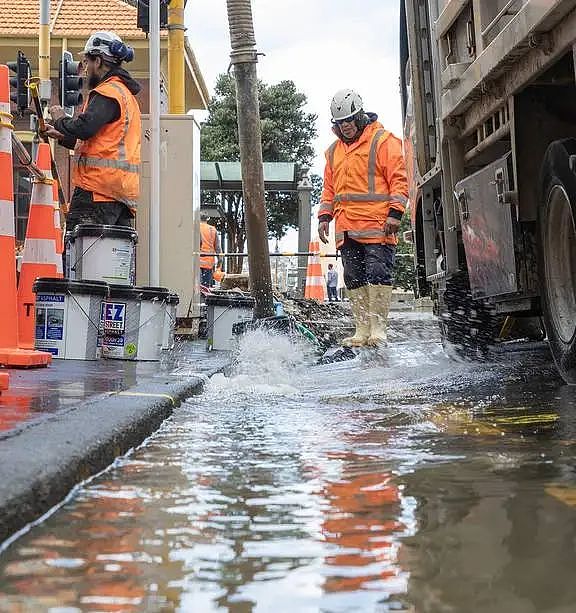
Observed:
{"x":179,"y":213}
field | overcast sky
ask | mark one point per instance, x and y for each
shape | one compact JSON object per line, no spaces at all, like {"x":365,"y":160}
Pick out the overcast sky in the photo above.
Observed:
{"x":321,"y":45}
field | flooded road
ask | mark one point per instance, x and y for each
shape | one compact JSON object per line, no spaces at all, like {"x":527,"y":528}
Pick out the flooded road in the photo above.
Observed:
{"x":404,"y":483}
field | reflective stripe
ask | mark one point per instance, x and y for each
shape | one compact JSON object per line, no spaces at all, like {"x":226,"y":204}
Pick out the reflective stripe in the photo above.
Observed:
{"x":42,"y":194}
{"x":379,"y":234}
{"x":372,"y":161}
{"x":366,"y":233}
{"x":311,"y":281}
{"x":399,"y":198}
{"x":106,"y":163}
{"x":40,"y":251}
{"x":363,"y":197}
{"x":122,"y":143}
{"x":6,"y":218}
{"x":326,"y":208}
{"x":331,"y":152}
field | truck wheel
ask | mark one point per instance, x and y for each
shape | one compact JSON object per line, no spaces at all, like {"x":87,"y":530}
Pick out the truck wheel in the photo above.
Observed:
{"x":557,"y":254}
{"x":468,"y":327}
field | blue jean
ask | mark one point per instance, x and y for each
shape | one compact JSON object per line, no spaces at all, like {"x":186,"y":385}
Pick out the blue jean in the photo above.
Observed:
{"x":206,"y":277}
{"x":332,"y":293}
{"x":367,"y":263}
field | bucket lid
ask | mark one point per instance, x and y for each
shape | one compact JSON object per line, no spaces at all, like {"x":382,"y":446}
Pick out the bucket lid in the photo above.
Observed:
{"x":103,"y":231}
{"x":127,"y":292}
{"x":62,"y":286}
{"x":230,"y":299}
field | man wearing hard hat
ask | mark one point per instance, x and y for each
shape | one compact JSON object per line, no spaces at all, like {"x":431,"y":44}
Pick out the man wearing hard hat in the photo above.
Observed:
{"x":105,"y":136}
{"x":365,"y":192}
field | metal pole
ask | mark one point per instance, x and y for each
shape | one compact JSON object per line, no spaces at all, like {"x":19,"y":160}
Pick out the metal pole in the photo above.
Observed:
{"x":244,"y":58}
{"x":45,"y":87}
{"x":304,"y":229}
{"x":154,"y":46}
{"x":176,"y":75}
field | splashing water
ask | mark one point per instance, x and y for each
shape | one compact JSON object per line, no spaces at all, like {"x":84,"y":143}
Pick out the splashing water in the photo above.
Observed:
{"x":266,"y":364}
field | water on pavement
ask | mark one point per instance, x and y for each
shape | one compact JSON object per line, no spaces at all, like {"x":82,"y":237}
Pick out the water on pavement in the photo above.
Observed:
{"x":399,"y":482}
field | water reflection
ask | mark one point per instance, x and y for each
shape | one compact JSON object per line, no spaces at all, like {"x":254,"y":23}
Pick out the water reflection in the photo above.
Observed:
{"x":423,"y":487}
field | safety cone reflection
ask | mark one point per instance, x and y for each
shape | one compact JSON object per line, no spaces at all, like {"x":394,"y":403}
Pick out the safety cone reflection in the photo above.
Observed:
{"x":315,"y":286}
{"x":4,"y":381}
{"x":10,"y":353}
{"x":39,"y":258}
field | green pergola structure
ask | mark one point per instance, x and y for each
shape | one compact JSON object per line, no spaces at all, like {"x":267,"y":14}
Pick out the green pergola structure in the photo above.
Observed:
{"x":278,"y":177}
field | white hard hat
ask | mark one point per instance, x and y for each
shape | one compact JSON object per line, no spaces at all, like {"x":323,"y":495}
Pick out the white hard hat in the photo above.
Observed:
{"x":345,"y":103}
{"x":103,"y":43}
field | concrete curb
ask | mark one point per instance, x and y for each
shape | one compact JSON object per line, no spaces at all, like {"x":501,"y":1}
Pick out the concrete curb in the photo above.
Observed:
{"x":41,"y":464}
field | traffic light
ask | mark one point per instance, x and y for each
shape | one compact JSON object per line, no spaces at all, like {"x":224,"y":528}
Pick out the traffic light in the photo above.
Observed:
{"x":143,"y":16}
{"x":70,"y":83}
{"x":21,"y":95}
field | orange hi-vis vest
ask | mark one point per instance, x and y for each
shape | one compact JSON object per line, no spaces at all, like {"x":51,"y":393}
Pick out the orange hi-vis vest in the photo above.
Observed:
{"x":207,"y":245}
{"x":363,"y":182}
{"x":108,"y":164}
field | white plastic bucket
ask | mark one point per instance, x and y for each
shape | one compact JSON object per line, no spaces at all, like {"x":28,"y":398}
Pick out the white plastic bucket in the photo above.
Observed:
{"x":133,"y":322}
{"x":103,"y":253}
{"x":67,"y":317}
{"x":223,"y":310}
{"x":169,"y":321}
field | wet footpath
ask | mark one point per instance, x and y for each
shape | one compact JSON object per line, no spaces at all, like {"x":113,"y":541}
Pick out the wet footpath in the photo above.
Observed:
{"x":398,"y":481}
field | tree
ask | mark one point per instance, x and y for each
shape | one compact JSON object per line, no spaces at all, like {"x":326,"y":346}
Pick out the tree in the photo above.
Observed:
{"x":287,"y":134}
{"x":404,"y":272}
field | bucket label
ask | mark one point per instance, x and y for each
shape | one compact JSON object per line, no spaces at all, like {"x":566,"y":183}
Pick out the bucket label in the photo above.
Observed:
{"x":50,"y":298}
{"x":49,"y":323}
{"x":114,"y":317}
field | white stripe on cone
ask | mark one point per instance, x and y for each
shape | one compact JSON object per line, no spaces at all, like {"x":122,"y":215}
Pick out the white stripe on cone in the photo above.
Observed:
{"x":40,"y":251}
{"x":6,"y":218}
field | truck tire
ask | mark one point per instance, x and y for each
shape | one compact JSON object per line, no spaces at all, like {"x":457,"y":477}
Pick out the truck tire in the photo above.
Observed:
{"x":557,"y":254}
{"x":468,"y":328}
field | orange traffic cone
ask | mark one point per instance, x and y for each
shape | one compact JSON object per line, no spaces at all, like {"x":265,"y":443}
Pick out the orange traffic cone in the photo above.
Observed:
{"x":39,"y":258}
{"x":4,"y":381}
{"x":10,"y":353}
{"x":315,"y":286}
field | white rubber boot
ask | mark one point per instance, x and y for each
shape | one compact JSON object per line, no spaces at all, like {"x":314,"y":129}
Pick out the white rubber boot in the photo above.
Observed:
{"x":379,"y":298}
{"x":359,"y":303}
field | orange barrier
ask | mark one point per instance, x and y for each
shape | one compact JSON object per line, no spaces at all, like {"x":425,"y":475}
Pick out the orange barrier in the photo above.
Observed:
{"x":315,"y":284}
{"x":39,"y":258}
{"x":10,"y":353}
{"x":4,"y":381}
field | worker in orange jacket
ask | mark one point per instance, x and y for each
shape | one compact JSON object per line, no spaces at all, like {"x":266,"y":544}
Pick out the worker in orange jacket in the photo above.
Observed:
{"x":106,"y":137}
{"x":209,"y":243}
{"x":365,"y":192}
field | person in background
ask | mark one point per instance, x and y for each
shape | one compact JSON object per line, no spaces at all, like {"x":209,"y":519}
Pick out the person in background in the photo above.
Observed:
{"x":209,"y":243}
{"x":105,"y":136}
{"x":365,"y":192}
{"x":332,"y":283}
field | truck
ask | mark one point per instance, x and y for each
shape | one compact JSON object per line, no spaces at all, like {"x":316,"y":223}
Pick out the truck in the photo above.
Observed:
{"x":489,"y":103}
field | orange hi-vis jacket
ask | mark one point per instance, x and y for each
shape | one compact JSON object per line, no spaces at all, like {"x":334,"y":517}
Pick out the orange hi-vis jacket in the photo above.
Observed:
{"x":108,"y":164}
{"x":207,"y":245}
{"x":364,"y":183}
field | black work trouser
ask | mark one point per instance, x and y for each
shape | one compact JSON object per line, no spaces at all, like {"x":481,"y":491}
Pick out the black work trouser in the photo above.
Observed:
{"x":83,"y":210}
{"x":367,"y":263}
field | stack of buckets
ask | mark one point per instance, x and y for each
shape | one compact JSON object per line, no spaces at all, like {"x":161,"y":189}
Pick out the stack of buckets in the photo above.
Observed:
{"x":96,"y":311}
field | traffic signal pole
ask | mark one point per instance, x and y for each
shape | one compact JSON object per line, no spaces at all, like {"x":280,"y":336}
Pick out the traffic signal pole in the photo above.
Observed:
{"x":244,"y":58}
{"x":154,"y":52}
{"x":176,"y":75}
{"x":45,"y":86}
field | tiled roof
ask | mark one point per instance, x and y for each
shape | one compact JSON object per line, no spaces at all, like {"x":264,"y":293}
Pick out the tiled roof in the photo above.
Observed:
{"x":69,"y":18}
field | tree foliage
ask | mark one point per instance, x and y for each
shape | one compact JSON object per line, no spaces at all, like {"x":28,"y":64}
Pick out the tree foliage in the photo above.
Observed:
{"x":287,"y":134}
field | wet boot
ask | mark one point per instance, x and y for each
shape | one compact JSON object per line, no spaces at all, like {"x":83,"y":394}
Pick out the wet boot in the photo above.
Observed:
{"x":379,"y":298}
{"x":359,"y":303}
